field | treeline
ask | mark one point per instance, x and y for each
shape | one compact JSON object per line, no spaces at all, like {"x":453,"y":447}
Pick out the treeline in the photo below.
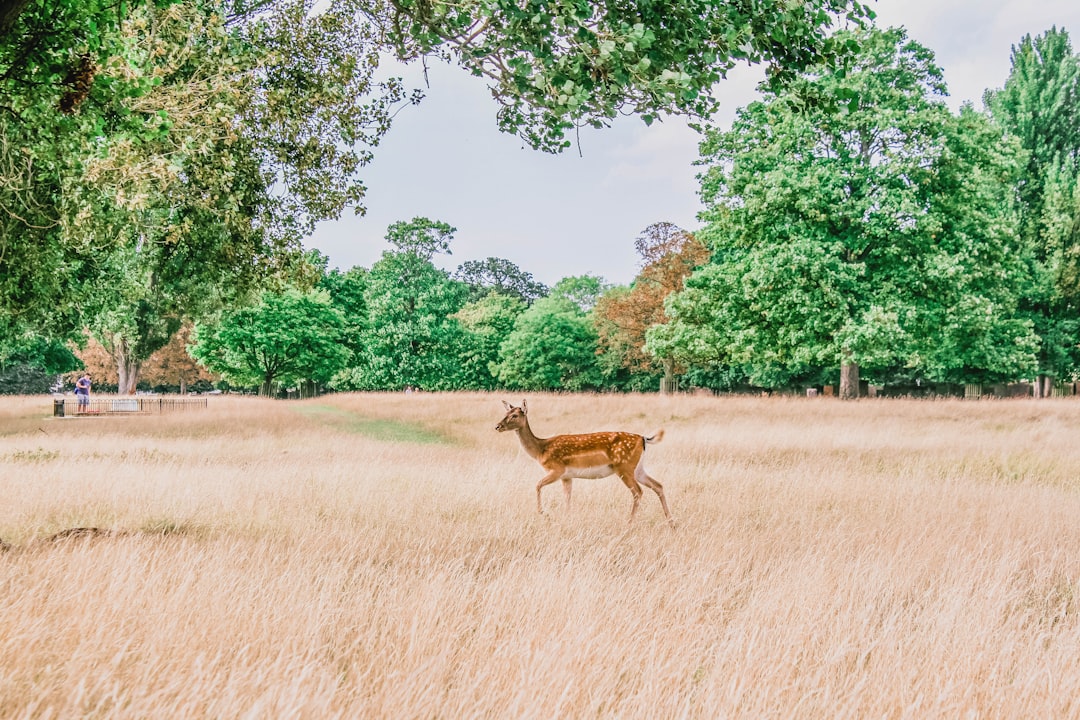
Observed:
{"x":405,"y":323}
{"x":854,"y":229}
{"x":164,"y":161}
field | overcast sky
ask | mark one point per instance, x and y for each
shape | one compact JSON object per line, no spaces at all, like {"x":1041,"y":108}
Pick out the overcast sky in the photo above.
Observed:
{"x":572,"y":214}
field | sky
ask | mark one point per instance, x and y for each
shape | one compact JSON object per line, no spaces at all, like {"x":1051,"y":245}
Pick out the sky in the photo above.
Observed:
{"x":579,"y":212}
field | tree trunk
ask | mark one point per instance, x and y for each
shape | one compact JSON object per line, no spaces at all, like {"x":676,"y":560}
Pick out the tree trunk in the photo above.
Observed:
{"x":183,"y":385}
{"x":849,"y":381}
{"x":1044,"y":386}
{"x":667,"y":385}
{"x":127,"y":367}
{"x":267,"y":387}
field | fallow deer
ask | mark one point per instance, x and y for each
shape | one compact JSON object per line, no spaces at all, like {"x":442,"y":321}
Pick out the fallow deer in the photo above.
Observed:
{"x":592,"y":455}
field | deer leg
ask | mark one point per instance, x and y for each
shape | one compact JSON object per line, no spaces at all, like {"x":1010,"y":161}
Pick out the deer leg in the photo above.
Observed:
{"x":653,"y":484}
{"x":567,"y":486}
{"x":635,"y":489}
{"x":547,"y":480}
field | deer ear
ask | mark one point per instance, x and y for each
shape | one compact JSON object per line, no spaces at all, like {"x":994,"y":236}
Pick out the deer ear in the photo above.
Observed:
{"x":524,"y":406}
{"x":507,"y":406}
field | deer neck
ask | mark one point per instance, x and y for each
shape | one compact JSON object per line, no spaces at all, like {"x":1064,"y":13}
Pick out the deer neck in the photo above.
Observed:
{"x":533,"y":445}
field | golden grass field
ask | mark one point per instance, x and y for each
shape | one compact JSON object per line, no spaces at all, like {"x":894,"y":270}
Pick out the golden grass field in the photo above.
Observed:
{"x":380,"y":556}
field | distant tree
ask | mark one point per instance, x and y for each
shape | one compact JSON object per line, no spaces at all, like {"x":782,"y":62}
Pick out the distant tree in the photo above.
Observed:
{"x":552,"y":347}
{"x":347,"y":290}
{"x":173,"y":366}
{"x":487,"y":322}
{"x":409,"y":338}
{"x":623,"y":315}
{"x":502,"y":276}
{"x":31,"y":364}
{"x":583,"y":291}
{"x":1040,"y":105}
{"x":421,"y":238}
{"x":288,"y":337}
{"x":856,"y":223}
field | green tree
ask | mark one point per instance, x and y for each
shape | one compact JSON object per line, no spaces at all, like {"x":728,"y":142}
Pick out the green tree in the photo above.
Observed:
{"x":866,"y":234}
{"x":347,"y":292}
{"x":288,"y":337}
{"x":583,"y":291}
{"x":555,"y":66}
{"x":255,"y":117}
{"x":409,"y":338}
{"x":255,"y":157}
{"x":553,"y":346}
{"x":31,"y":364}
{"x":1040,"y":105}
{"x":487,"y":322}
{"x":499,"y":275}
{"x":81,"y":87}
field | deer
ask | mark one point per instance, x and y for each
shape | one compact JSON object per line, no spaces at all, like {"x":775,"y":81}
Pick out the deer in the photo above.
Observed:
{"x":587,"y":456}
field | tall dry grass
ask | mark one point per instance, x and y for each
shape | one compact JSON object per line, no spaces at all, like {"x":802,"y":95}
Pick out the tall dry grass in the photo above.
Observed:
{"x":379,"y":556}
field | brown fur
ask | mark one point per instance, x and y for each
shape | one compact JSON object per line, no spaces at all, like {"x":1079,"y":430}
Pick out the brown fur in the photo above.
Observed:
{"x":591,"y":455}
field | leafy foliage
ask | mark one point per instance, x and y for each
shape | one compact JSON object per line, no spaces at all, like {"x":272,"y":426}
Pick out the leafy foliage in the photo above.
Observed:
{"x":216,"y":131}
{"x":582,"y":291}
{"x":409,"y":337}
{"x":487,"y":322}
{"x":31,"y":365}
{"x":501,"y":276}
{"x":552,"y":347}
{"x":872,"y":233}
{"x":1040,"y":106}
{"x":286,"y":338}
{"x":668,"y":254}
{"x":555,"y":66}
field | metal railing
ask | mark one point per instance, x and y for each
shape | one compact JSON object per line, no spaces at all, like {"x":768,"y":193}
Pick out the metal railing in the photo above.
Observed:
{"x":70,"y":406}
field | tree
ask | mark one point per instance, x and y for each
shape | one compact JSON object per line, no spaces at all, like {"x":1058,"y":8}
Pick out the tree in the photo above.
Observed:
{"x":486,"y":323}
{"x":409,"y":337}
{"x":856,"y":223}
{"x":347,"y":292}
{"x":255,"y":156}
{"x":582,"y":291}
{"x":556,"y":66}
{"x":173,"y":367}
{"x":253,"y":118}
{"x":502,"y":276}
{"x":623,"y":315}
{"x":552,"y":347}
{"x":288,"y":337}
{"x":31,"y":364}
{"x":80,"y":85}
{"x":1040,"y":105}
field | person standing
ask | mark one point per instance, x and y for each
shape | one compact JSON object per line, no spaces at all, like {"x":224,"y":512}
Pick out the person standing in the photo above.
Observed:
{"x":82,"y":392}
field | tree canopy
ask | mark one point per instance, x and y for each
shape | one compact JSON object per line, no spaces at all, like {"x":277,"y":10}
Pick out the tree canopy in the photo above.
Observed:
{"x":1040,"y":106}
{"x":161,"y":114}
{"x":856,"y":223}
{"x":623,"y":316}
{"x":287,"y":338}
{"x":500,"y":276}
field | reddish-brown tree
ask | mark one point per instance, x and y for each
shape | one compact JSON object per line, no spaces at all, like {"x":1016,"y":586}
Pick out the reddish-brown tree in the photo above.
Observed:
{"x":668,"y":255}
{"x":171,"y":365}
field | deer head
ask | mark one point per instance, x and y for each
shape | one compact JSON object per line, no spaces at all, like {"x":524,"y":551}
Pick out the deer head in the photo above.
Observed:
{"x":515,"y":417}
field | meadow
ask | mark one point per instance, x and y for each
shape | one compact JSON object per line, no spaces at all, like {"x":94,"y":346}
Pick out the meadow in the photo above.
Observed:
{"x":380,"y":556}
